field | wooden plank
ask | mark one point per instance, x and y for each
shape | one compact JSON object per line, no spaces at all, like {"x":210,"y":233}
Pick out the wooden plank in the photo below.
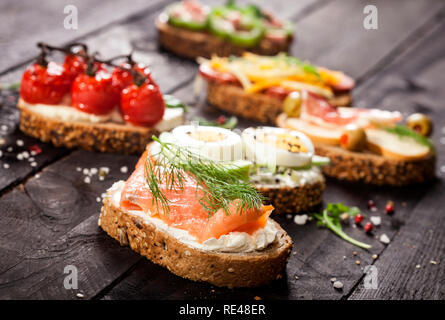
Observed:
{"x":51,"y":220}
{"x":413,"y":84}
{"x":334,"y":36}
{"x":25,"y":23}
{"x":13,"y":143}
{"x":413,"y":265}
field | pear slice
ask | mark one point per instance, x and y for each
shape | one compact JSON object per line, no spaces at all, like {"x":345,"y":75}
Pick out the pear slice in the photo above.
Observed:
{"x":316,"y":133}
{"x":393,"y":146}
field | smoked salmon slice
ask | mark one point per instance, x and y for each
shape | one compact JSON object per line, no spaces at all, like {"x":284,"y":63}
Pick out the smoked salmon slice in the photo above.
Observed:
{"x":185,"y":211}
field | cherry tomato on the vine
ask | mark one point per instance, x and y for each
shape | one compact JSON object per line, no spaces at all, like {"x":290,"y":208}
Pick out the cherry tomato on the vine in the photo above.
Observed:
{"x":47,"y":85}
{"x":94,"y":94}
{"x":142,"y":105}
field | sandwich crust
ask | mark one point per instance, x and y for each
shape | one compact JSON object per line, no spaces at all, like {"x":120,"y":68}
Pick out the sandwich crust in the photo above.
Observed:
{"x":103,"y":137}
{"x":254,"y":106}
{"x":220,"y":269}
{"x":288,"y":200}
{"x":193,"y":44}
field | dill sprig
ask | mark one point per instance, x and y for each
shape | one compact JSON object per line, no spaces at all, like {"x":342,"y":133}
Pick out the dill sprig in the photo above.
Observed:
{"x":216,"y":186}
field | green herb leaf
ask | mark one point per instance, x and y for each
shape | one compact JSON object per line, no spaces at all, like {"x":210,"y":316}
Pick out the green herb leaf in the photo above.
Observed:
{"x":230,"y":123}
{"x":330,"y":218}
{"x":173,"y":102}
{"x":405,"y":132}
{"x":216,"y":186}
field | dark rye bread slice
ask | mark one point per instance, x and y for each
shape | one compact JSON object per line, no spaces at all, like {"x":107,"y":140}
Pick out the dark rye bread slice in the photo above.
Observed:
{"x":375,"y":169}
{"x":103,"y":137}
{"x":288,"y":200}
{"x":193,"y":44}
{"x":371,"y":168}
{"x":254,"y":106}
{"x":220,"y":269}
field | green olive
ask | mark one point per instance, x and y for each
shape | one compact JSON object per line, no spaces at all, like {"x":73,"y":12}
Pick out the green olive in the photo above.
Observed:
{"x":420,"y":123}
{"x":353,"y":138}
{"x":292,"y":104}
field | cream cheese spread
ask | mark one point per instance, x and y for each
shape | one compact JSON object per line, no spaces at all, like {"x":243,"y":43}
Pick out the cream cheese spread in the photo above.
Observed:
{"x":297,"y":178}
{"x":172,"y":116}
{"x":234,"y":242}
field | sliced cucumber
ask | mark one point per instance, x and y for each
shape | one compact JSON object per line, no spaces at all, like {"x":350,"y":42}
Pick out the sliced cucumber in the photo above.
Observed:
{"x":239,"y":168}
{"x":320,"y":161}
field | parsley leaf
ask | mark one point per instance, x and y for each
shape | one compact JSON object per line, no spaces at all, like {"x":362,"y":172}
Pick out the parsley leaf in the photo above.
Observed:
{"x":330,"y":218}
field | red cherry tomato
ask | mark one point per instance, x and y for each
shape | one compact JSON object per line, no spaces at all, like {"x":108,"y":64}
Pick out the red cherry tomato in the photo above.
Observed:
{"x":123,"y":78}
{"x":94,"y":94}
{"x":74,"y":65}
{"x":146,"y":72}
{"x":45,"y":85}
{"x":142,"y":106}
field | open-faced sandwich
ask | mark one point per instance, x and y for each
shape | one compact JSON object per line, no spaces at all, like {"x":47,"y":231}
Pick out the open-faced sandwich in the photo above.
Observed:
{"x":81,"y":103}
{"x":280,"y":163}
{"x":192,"y":30}
{"x":259,"y":87}
{"x":367,"y":145}
{"x":198,"y":218}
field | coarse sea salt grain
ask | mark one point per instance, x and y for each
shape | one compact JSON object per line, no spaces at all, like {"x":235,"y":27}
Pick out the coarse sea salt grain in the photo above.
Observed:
{"x":384,"y":239}
{"x":20,"y":143}
{"x":124,"y":169}
{"x":87,"y":180}
{"x":338,"y":285}
{"x":376,"y":220}
{"x":300,"y":219}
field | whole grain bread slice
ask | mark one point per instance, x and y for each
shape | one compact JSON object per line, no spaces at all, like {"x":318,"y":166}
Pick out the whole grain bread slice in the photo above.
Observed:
{"x":254,"y":106}
{"x":193,"y":44}
{"x":292,"y":200}
{"x":103,"y":137}
{"x":371,"y":168}
{"x":221,"y":269}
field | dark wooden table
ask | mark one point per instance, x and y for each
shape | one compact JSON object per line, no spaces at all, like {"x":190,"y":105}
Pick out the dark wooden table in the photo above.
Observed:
{"x":48,"y":214}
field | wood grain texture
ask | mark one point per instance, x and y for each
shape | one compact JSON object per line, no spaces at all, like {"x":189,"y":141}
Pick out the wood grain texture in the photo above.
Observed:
{"x":334,"y":36}
{"x":12,"y":169}
{"x":25,"y":23}
{"x":414,"y":83}
{"x":50,"y":220}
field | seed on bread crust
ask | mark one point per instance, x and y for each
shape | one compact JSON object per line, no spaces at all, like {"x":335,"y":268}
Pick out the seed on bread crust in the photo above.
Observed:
{"x":103,"y":137}
{"x":375,"y":169}
{"x":294,"y":199}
